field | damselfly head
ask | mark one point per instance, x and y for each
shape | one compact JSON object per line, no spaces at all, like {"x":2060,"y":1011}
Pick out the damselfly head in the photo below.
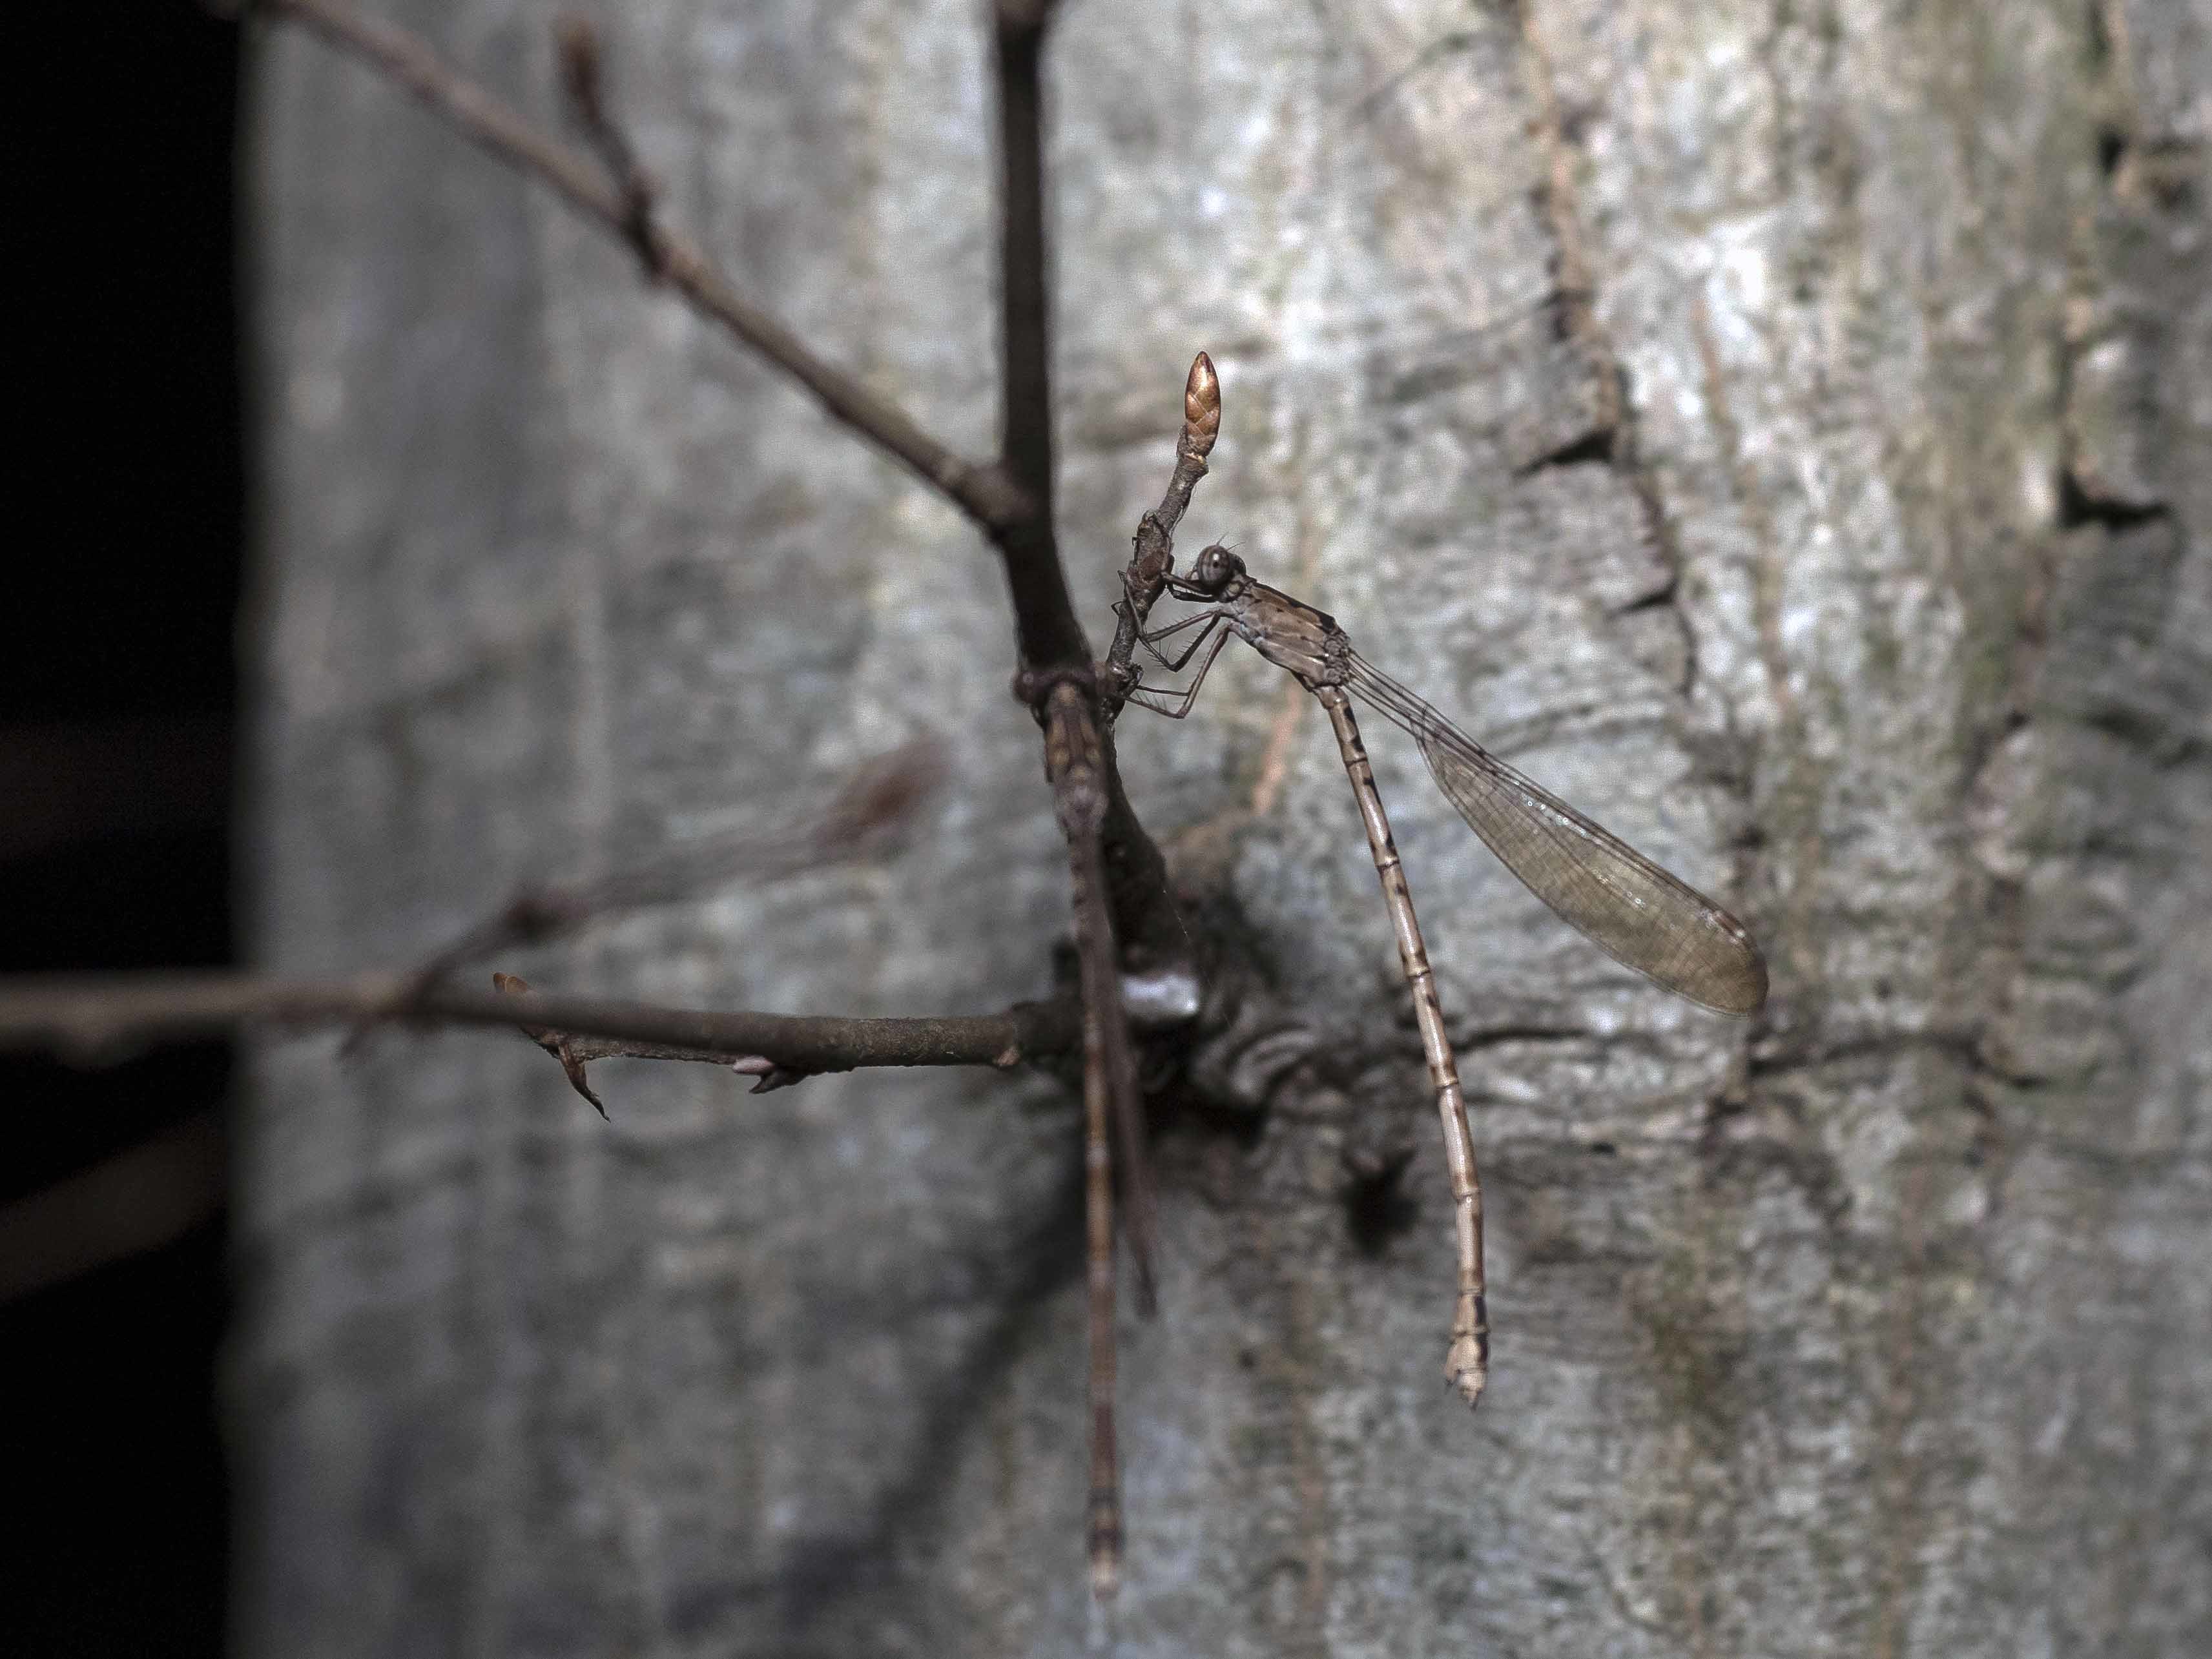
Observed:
{"x":1217,"y":568}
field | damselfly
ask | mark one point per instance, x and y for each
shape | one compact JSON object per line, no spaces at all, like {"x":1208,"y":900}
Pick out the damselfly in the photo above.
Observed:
{"x":1620,"y":901}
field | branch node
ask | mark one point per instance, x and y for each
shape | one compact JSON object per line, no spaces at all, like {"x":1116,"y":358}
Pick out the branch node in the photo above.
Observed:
{"x":1072,"y":757}
{"x":771,"y":1076}
{"x":1035,"y":688}
{"x":583,"y":62}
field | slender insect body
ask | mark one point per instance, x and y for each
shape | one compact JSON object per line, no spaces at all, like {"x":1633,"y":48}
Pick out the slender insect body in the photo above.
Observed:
{"x":1467,"y":1360}
{"x":1637,"y":913}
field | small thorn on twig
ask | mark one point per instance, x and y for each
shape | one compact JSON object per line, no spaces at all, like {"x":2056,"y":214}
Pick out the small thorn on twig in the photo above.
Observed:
{"x":558,"y":1048}
{"x":772,"y":1076}
{"x":554,"y":1043}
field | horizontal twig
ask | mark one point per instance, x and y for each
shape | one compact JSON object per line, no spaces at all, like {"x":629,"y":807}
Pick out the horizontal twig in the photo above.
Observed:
{"x":108,"y":1016}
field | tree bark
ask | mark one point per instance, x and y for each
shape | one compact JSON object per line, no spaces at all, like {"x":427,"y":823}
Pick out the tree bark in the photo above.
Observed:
{"x":1781,"y":431}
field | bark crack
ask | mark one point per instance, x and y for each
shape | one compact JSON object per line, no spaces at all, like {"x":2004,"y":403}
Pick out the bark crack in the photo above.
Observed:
{"x":1611,"y":437}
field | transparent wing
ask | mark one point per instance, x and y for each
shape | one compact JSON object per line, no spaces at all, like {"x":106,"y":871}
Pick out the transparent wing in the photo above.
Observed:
{"x":1628,"y":907}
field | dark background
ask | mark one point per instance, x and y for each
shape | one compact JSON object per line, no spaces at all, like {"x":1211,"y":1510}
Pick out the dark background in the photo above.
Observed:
{"x":117,"y":692}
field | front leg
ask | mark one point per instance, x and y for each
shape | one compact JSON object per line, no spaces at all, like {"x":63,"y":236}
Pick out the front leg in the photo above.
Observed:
{"x":1211,"y":619}
{"x":1144,"y":695}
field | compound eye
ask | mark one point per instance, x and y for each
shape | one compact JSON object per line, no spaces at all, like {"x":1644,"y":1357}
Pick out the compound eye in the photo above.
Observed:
{"x":1216,"y":566}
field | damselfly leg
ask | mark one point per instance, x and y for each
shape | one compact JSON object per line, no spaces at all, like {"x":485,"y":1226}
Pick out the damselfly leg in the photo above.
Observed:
{"x":1164,"y":700}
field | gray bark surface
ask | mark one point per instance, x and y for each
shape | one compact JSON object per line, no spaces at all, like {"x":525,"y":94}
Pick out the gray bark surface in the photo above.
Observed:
{"x":1879,"y":607}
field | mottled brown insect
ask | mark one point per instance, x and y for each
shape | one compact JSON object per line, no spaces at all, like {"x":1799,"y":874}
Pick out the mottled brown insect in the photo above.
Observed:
{"x":1621,"y":901}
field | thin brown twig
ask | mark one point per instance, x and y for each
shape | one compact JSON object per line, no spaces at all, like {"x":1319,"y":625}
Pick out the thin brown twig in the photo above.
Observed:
{"x":1025,"y":397}
{"x":1086,"y":785}
{"x":1103,"y":1531}
{"x":582,"y":73}
{"x":1031,"y":550}
{"x":875,"y":803}
{"x":1127,"y":873}
{"x":98,"y":1017}
{"x":1118,"y":865}
{"x":575,"y":1054}
{"x":1072,"y":762}
{"x":1159,"y":974}
{"x":1117,"y":871}
{"x":984,"y":493}
{"x":1113,"y":1129}
{"x":1078,"y":767}
{"x":1152,"y":561}
{"x":1049,"y":636}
